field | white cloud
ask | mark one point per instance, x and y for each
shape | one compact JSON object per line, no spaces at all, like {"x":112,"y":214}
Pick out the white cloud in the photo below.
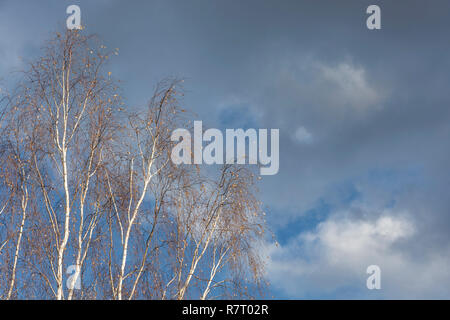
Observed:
{"x":349,"y":86}
{"x":302,"y":135}
{"x":336,"y":254}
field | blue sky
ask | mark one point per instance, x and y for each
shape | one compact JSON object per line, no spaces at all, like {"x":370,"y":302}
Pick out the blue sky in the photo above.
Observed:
{"x":363,"y":115}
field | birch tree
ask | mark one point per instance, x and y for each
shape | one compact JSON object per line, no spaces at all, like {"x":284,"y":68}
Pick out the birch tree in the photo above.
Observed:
{"x":218,"y":226}
{"x":71,"y":105}
{"x":15,"y":184}
{"x":88,"y":186}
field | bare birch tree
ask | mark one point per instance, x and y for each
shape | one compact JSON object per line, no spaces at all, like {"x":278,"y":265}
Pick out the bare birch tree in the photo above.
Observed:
{"x":88,"y":186}
{"x":15,"y":172}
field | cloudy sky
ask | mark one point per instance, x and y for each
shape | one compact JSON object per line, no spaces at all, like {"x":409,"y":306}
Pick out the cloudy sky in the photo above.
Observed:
{"x":364,"y":119}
